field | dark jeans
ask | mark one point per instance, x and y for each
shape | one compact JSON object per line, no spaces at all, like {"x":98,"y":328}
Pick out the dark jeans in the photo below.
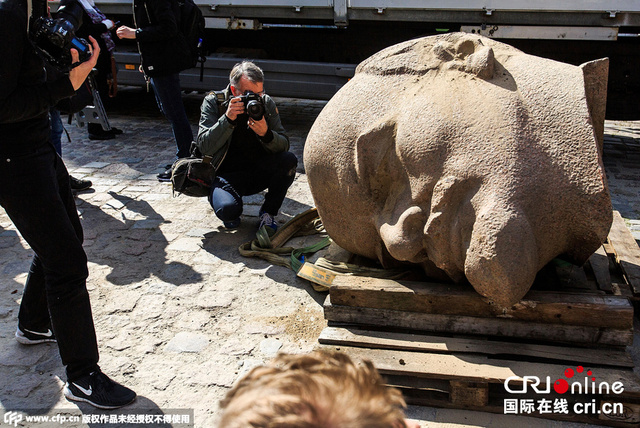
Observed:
{"x":275,"y":173}
{"x":169,"y":98}
{"x":35,"y":193}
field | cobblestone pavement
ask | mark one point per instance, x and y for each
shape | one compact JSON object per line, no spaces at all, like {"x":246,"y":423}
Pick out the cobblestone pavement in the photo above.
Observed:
{"x":179,"y":313}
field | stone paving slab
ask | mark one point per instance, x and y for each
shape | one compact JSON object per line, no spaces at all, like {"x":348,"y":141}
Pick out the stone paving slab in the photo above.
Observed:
{"x":179,"y":314}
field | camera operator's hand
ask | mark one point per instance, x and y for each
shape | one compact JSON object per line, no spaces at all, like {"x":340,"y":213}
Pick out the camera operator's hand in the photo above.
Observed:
{"x":260,"y":127}
{"x":79,"y":74}
{"x":235,"y":108}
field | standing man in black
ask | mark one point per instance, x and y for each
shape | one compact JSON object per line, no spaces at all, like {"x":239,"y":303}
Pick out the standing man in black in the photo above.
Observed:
{"x":164,"y":53}
{"x":35,"y":193}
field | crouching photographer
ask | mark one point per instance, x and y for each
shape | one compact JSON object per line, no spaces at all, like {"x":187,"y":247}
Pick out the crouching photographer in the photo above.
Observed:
{"x":240,"y":129}
{"x":35,"y":193}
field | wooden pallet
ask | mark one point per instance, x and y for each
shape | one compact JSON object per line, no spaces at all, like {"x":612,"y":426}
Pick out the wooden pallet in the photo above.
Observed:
{"x":589,"y":305}
{"x":470,"y":373}
{"x":444,"y":345}
{"x":622,"y":251}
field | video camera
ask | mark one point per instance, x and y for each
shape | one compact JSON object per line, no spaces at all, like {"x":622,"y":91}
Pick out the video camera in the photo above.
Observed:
{"x":253,"y":105}
{"x":55,"y":37}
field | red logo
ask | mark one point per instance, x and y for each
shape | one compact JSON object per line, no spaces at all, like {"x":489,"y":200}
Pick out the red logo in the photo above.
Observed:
{"x":561,"y":385}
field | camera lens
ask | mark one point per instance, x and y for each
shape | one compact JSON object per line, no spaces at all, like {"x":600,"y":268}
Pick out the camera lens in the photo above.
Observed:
{"x":255,"y":110}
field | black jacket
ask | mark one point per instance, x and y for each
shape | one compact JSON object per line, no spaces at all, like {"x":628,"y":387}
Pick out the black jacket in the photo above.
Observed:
{"x":163,"y":49}
{"x":25,"y":93}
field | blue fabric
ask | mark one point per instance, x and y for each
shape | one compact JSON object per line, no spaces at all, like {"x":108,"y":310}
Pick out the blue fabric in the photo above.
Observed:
{"x":275,"y":173}
{"x":56,"y":130}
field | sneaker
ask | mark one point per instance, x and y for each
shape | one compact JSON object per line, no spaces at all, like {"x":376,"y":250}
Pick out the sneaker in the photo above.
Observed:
{"x":116,"y":131}
{"x":232,"y":224}
{"x":29,"y":337}
{"x":268,"y":221}
{"x":165,"y":176}
{"x":79,"y":184}
{"x":99,"y":391}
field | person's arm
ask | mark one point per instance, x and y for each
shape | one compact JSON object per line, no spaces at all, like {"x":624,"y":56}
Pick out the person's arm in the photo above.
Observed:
{"x":99,"y":28}
{"x":17,"y":101}
{"x":213,"y":130}
{"x":275,"y":140}
{"x":165,"y":26}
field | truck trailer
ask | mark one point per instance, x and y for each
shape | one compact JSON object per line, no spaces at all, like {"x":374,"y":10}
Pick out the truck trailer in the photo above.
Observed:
{"x":310,"y":48}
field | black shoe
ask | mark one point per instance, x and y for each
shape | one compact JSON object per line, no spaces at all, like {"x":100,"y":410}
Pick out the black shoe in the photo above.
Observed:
{"x":116,"y":131}
{"x":165,"y":176}
{"x":29,"y":337}
{"x":99,"y":391}
{"x":104,"y":135}
{"x":78,"y":184}
{"x":232,"y":224}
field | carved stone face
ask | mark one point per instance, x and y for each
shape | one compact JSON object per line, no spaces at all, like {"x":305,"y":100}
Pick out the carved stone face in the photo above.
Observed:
{"x":465,"y":156}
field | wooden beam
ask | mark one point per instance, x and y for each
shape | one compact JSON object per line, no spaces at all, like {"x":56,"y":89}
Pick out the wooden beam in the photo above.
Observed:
{"x":599,"y":262}
{"x":354,"y":336}
{"x":457,"y":324}
{"x":478,"y":368}
{"x":579,"y":309}
{"x":467,"y":394}
{"x":626,"y":251}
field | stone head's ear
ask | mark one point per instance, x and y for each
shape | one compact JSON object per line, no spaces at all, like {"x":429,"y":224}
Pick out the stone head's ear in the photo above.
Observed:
{"x":376,"y":162}
{"x":596,"y":74}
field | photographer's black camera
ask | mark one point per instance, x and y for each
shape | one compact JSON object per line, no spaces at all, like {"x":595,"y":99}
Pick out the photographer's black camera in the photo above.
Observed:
{"x":54,"y":37}
{"x":253,"y":105}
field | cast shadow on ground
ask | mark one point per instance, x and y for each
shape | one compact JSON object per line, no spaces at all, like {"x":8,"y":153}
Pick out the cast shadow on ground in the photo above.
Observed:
{"x":38,"y":392}
{"x":224,"y":244}
{"x":135,"y":247}
{"x":18,"y":260}
{"x":142,"y":408}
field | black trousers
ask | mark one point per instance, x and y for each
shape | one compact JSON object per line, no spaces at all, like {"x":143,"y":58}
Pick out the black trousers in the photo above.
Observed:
{"x":35,"y":193}
{"x":275,"y":172}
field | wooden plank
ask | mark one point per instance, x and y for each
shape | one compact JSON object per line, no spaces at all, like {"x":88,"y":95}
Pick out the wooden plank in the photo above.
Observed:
{"x":478,"y":368}
{"x":439,"y":386}
{"x":607,"y":248}
{"x":456,"y":324}
{"x":466,"y":394}
{"x":435,"y":298}
{"x":631,"y":413}
{"x":599,"y":262}
{"x":433,"y":399}
{"x":626,"y":251}
{"x":507,"y":350}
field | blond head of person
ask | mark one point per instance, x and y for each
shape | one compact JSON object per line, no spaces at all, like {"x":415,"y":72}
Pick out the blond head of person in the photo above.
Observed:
{"x":319,"y":390}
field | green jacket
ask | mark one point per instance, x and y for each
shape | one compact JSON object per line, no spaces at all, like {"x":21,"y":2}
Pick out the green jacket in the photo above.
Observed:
{"x":215,"y":130}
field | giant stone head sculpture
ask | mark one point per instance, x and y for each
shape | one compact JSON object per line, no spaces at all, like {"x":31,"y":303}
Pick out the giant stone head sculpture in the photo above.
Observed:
{"x":467,"y":157}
